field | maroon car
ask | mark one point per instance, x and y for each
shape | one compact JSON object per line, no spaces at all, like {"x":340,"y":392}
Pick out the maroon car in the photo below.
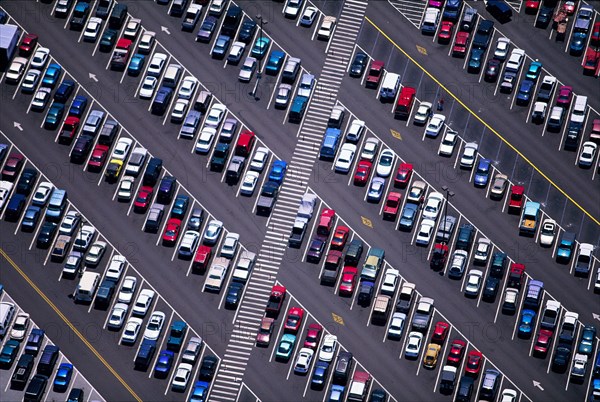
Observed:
{"x":13,"y":166}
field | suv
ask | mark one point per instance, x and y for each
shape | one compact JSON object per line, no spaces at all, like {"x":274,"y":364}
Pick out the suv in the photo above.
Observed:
{"x":489,"y":385}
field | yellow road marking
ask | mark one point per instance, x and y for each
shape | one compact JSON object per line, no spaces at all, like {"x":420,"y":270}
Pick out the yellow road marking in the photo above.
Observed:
{"x":337,"y":318}
{"x":511,"y":146}
{"x":396,"y":134}
{"x":69,"y":324}
{"x":420,"y":49}
{"x":366,"y":222}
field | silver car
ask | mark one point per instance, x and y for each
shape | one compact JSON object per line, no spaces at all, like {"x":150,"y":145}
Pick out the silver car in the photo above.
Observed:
{"x":284,"y":93}
{"x":247,"y":69}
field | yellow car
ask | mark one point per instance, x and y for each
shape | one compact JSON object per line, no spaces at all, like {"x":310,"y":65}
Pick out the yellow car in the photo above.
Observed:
{"x":431,"y":355}
{"x":113,"y":170}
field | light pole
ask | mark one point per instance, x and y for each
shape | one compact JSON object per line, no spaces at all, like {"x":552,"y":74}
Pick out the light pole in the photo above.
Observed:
{"x":448,"y":195}
{"x":262,"y":21}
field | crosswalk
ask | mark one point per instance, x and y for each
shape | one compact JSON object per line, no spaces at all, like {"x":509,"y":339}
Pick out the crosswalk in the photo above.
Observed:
{"x":413,"y":10}
{"x":228,"y":380}
{"x":515,"y":4}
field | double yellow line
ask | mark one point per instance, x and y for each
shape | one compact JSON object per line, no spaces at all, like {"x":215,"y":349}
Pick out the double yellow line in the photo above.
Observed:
{"x":483,"y":122}
{"x":69,"y":324}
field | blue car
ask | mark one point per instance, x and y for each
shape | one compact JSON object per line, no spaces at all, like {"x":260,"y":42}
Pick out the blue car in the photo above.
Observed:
{"x":200,"y":392}
{"x":336,"y":393}
{"x":535,"y":68}
{"x":586,"y":343}
{"x":234,"y":293}
{"x":319,"y":377}
{"x":78,"y":106}
{"x":578,"y":41}
{"x":278,"y":172}
{"x":525,"y":91}
{"x":286,"y":347}
{"x":63,"y":377}
{"x":260,"y":47}
{"x":376,"y":189}
{"x":30,"y":220}
{"x":54,"y":116}
{"x":180,"y":206}
{"x":527,"y":323}
{"x":475,"y":58}
{"x":136,"y":64}
{"x":64,"y":91}
{"x":51,"y":75}
{"x":9,"y":352}
{"x":482,"y":174}
{"x":594,"y":395}
{"x":221,"y":46}
{"x":164,"y":364}
{"x":408,"y":216}
{"x":275,"y":62}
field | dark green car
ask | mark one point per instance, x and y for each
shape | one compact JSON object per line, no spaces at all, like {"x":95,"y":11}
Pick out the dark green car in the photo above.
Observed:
{"x":108,"y":40}
{"x":9,"y":353}
{"x":54,"y":116}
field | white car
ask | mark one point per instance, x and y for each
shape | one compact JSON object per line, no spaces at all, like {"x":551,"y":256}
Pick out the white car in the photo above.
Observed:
{"x":154,"y":326}
{"x":425,"y":232}
{"x":40,"y":57}
{"x":292,"y":8}
{"x":458,"y":264}
{"x":508,"y":395}
{"x":5,"y":189}
{"x":326,"y":28}
{"x":502,"y":45}
{"x":42,"y":193}
{"x":385,"y":163}
{"x":95,"y":253}
{"x":467,"y":160}
{"x":41,"y":98}
{"x":308,"y":17}
{"x":115,"y":268}
{"x":247,"y":69}
{"x":212,"y":232}
{"x":122,"y":148}
{"x":303,"y":361}
{"x":249,"y":183}
{"x":423,"y":113}
{"x":182,"y":374}
{"x":117,"y":316}
{"x":187,"y":88}
{"x":259,"y":159}
{"x":515,"y":60}
{"x":146,"y":42}
{"x":216,"y":7}
{"x":30,"y":81}
{"x":157,"y":64}
{"x":143,"y":302}
{"x":179,"y":110}
{"x":328,"y":348}
{"x":132,"y":28}
{"x":16,"y":69}
{"x":83,"y":238}
{"x":148,"y":87}
{"x":588,"y":153}
{"x":448,"y":143}
{"x":69,"y":223}
{"x":236,"y":52}
{"x":473,"y":284}
{"x":230,"y":245}
{"x":20,"y":326}
{"x":396,"y":326}
{"x":357,"y":127}
{"x":205,"y":140}
{"x":413,"y":346}
{"x":482,"y":251}
{"x":548,"y":232}
{"x":131,"y":331}
{"x":127,"y":290}
{"x":390,"y":281}
{"x":344,"y":160}
{"x":370,"y":148}
{"x":435,"y":125}
{"x":126,"y":188}
{"x":432,"y":206}
{"x":215,"y":115}
{"x":92,"y":29}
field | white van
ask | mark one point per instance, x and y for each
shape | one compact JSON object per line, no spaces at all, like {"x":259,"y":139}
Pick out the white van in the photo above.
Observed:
{"x":389,"y":88}
{"x":172,"y":75}
{"x":7,"y":311}
{"x":86,"y":288}
{"x":579,"y":106}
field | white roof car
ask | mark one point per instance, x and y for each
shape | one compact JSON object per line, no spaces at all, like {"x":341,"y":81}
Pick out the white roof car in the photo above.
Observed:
{"x":448,"y":143}
{"x":538,"y":114}
{"x":132,"y":28}
{"x":20,"y":326}
{"x":117,"y":316}
{"x":5,"y":189}
{"x":216,"y":276}
{"x":326,"y":28}
{"x":259,"y":159}
{"x":131,"y":331}
{"x":303,"y":360}
{"x":413,"y":346}
{"x":205,"y":140}
{"x":179,"y":110}
{"x":42,"y":193}
{"x":425,"y":231}
{"x":548,"y":232}
{"x":30,"y":81}
{"x":249,"y":183}
{"x":284,"y":93}
{"x":230,"y":245}
{"x":435,"y":125}
{"x":417,"y":192}
{"x":122,"y":148}
{"x":215,"y":115}
{"x":157,"y":64}
{"x":143,"y":302}
{"x":328,"y":348}
{"x":344,"y":160}
{"x":588,"y":153}
{"x":467,"y":159}
{"x":236,"y":52}
{"x":183,"y":372}
{"x":423,"y":113}
{"x":148,"y":87}
{"x":307,"y":82}
{"x":90,"y":34}
{"x":390,"y":281}
{"x":127,"y":290}
{"x":308,"y":17}
{"x":473,"y":284}
{"x":357,"y":127}
{"x":73,"y":264}
{"x":247,"y":69}
{"x":515,"y":60}
{"x":502,"y":45}
{"x":95,"y":253}
{"x":154,"y":326}
{"x":16,"y":69}
{"x":482,"y":251}
{"x":216,"y":7}
{"x":432,"y":205}
{"x":458,"y":263}
{"x":508,"y":395}
{"x":213,"y":231}
{"x":146,"y":42}
{"x":84,"y":238}
{"x":125,"y":190}
{"x":40,"y":57}
{"x":396,"y":325}
{"x":370,"y":148}
{"x":385,"y":163}
{"x":115,"y":268}
{"x":292,"y":8}
{"x":187,"y":88}
{"x":40,"y":99}
{"x":69,"y":223}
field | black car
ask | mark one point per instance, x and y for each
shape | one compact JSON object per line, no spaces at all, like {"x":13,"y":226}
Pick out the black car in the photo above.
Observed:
{"x":544,"y":16}
{"x":490,"y":289}
{"x":315,"y":251}
{"x":378,"y":395}
{"x":357,"y":68}
{"x":25,"y":183}
{"x":153,"y":170}
{"x":208,"y":368}
{"x":46,"y":235}
{"x":561,"y":359}
{"x":64,"y":91}
{"x":234,"y":293}
{"x":166,"y":189}
{"x":108,"y":39}
{"x":492,"y":70}
{"x":247,"y":31}
{"x":76,"y":395}
{"x":354,"y":252}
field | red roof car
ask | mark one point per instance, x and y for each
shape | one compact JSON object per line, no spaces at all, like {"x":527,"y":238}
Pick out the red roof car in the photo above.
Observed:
{"x":403,"y":175}
{"x":293,"y":320}
{"x":543,"y":342}
{"x":457,"y":351}
{"x":13,"y":166}
{"x":565,"y":94}
{"x":595,"y":37}
{"x":142,"y":201}
{"x":391,"y":206}
{"x":313,"y":336}
{"x":339,"y":238}
{"x":171,"y":231}
{"x":440,"y":332}
{"x":202,"y":259}
{"x":276,"y":299}
{"x":531,"y":6}
{"x":263,"y":337}
{"x":325,"y":222}
{"x":375,"y":74}
{"x":474,"y":359}
{"x":68,"y":130}
{"x":515,"y":202}
{"x":98,"y":158}
{"x":569,"y":7}
{"x":445,"y":34}
{"x":591,"y":62}
{"x":28,"y":44}
{"x":363,"y":171}
{"x":348,"y":281}
{"x":460,"y":44}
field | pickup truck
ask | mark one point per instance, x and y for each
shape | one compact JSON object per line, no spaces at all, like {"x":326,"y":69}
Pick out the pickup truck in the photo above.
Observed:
{"x":121,"y":54}
{"x":372,"y":264}
{"x":359,"y":386}
{"x":298,"y":232}
{"x":515,"y":202}
{"x":422,"y":316}
{"x":390,"y":208}
{"x":530,"y":218}
{"x":191,"y":17}
{"x":176,"y":336}
{"x":584,"y":260}
{"x":80,"y":15}
{"x":568,"y":329}
{"x":267,"y":198}
{"x":243,"y":269}
{"x":325,"y":222}
{"x":579,"y":367}
{"x":448,"y":380}
{"x":307,"y":206}
{"x":483,"y":34}
{"x":216,"y":274}
{"x":217,"y":162}
{"x":550,"y":315}
{"x":516,"y":275}
{"x":445,"y":229}
{"x":546,"y":89}
{"x":275,"y":301}
{"x":375,"y":73}
{"x":68,"y":130}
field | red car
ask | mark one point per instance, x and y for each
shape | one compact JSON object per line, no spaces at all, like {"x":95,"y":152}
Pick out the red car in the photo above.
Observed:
{"x":445,"y":35}
{"x":263,"y":337}
{"x":27,"y":45}
{"x":595,"y":38}
{"x":565,"y":94}
{"x":591,"y":62}
{"x":339,"y":238}
{"x":531,"y":6}
{"x":142,"y":201}
{"x":363,"y":171}
{"x":325,"y":222}
{"x":202,"y":259}
{"x":313,"y":336}
{"x":171,"y":231}
{"x":13,"y":166}
{"x":293,"y":320}
{"x":348,"y":281}
{"x":440,"y":332}
{"x":98,"y":158}
{"x":543,"y":342}
{"x":515,"y":202}
{"x":457,"y":351}
{"x":403,"y":175}
{"x":474,"y":360}
{"x":68,"y":130}
{"x":461,"y":43}
{"x":570,"y":7}
{"x":391,"y":206}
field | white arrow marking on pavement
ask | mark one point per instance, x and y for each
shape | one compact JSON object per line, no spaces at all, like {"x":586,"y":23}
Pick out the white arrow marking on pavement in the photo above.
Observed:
{"x":18,"y":125}
{"x":93,"y":77}
{"x":596,"y":316}
{"x":165,"y":30}
{"x":537,"y":384}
